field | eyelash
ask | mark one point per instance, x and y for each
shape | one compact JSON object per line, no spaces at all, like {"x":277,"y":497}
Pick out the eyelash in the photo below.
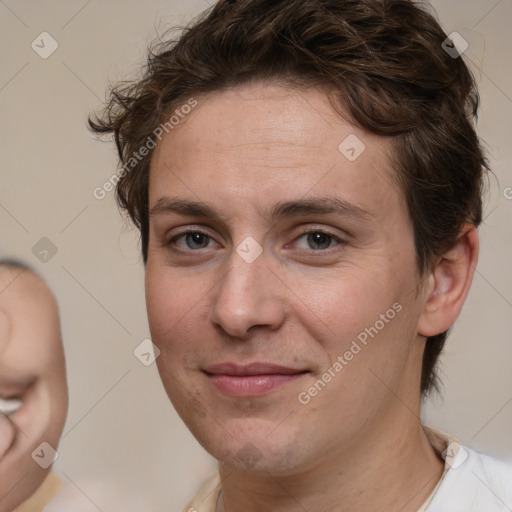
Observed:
{"x":305,"y":232}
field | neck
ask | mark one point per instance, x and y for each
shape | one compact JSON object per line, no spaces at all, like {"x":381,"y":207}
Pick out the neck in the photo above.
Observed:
{"x":387,"y":467}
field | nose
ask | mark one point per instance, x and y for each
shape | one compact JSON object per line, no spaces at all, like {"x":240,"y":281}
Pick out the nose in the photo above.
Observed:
{"x":249,"y":295}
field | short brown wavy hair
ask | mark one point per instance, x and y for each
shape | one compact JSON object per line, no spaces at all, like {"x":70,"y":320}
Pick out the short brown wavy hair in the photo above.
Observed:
{"x":382,"y":58}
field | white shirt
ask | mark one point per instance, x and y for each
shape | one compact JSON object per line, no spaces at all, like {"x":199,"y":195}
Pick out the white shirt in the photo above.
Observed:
{"x":471,"y":481}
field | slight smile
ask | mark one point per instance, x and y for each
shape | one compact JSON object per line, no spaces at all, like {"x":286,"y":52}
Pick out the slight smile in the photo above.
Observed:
{"x":251,"y":380}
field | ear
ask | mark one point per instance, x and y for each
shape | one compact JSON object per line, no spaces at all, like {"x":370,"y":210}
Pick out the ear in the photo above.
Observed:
{"x":448,"y":284}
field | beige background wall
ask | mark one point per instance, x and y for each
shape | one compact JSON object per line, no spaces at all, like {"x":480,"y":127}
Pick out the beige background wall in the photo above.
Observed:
{"x":121,"y":426}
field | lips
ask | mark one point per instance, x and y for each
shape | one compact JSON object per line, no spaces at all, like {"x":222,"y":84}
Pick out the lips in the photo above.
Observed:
{"x":10,"y":405}
{"x":251,"y":380}
{"x":12,"y":386}
{"x":7,"y":429}
{"x":252,"y":369}
{"x":15,"y":397}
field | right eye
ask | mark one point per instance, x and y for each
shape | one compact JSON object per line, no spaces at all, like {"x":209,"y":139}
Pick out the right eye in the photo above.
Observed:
{"x":193,"y":240}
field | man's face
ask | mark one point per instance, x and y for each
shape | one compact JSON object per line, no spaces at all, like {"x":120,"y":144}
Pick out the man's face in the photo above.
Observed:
{"x":31,"y":370}
{"x":254,"y":309}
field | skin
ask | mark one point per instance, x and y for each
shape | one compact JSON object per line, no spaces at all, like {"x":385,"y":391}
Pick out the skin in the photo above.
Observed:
{"x":358,"y":444}
{"x":31,"y":365}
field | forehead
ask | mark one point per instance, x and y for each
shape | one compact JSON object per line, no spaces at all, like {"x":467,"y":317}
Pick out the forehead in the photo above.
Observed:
{"x":270,"y":141}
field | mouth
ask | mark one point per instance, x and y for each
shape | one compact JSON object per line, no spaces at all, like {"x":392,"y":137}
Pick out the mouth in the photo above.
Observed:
{"x":15,"y":398}
{"x":9,"y":406}
{"x":16,"y":409}
{"x":251,"y":380}
{"x":14,"y":395}
{"x":7,"y":429}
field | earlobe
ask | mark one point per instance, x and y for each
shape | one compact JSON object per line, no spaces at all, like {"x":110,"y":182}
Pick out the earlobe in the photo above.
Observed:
{"x":449,"y":284}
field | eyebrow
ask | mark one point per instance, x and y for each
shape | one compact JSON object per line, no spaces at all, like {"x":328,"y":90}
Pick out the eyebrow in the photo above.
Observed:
{"x":287,"y":209}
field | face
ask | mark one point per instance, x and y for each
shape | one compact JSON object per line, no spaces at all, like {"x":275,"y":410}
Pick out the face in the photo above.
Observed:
{"x":32,"y":382}
{"x":282,"y":309}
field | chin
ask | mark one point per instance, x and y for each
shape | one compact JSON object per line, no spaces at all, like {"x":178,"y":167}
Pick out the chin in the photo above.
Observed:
{"x":250,"y":445}
{"x":278,"y":461}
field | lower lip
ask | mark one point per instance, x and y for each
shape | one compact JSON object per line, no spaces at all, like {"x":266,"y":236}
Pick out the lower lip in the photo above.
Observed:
{"x":251,"y":385}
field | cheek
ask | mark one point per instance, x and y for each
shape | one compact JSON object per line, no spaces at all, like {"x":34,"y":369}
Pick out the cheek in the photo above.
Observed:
{"x":370,"y":356}
{"x":5,"y":328}
{"x":346,"y":304}
{"x":165,"y":300}
{"x":58,"y":390}
{"x":174,"y":305}
{"x":367,"y":321}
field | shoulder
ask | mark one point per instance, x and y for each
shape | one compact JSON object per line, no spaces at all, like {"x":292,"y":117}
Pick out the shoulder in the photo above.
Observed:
{"x":475,"y":482}
{"x":206,"y":498}
{"x":44,"y":494}
{"x":494,"y":474}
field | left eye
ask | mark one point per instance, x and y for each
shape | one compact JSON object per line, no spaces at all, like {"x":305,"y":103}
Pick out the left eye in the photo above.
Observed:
{"x":193,"y":239}
{"x":318,"y":240}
